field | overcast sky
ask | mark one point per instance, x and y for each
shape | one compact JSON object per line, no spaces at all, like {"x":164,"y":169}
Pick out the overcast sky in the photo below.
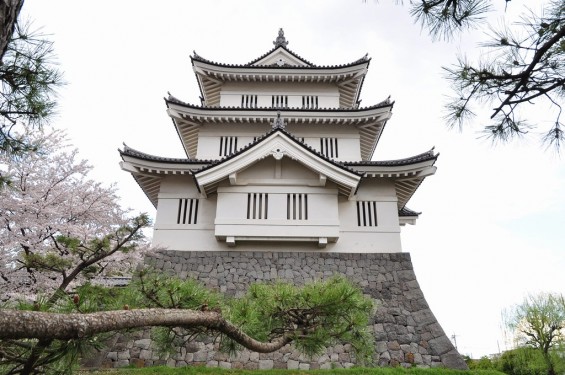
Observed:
{"x":493,"y":217}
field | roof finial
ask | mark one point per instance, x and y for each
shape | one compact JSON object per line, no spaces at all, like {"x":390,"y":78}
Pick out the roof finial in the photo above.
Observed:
{"x":278,"y":123}
{"x":281,"y":40}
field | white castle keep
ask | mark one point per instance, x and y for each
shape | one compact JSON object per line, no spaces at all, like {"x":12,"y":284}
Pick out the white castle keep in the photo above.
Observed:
{"x":279,"y":157}
{"x":279,"y":183}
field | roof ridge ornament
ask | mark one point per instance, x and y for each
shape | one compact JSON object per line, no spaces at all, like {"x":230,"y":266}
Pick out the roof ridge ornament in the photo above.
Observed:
{"x":281,"y":40}
{"x":278,"y":123}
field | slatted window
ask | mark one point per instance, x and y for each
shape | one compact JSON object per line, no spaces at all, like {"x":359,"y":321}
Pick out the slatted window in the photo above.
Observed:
{"x":328,"y":147}
{"x":188,"y":211}
{"x":257,"y":205}
{"x":279,"y":101}
{"x":228,"y":145}
{"x":249,"y":101}
{"x":309,"y":102}
{"x":297,"y":206}
{"x":366,"y":213}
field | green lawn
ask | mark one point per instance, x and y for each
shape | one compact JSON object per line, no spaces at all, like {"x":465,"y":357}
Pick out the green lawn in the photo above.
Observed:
{"x":197,"y":370}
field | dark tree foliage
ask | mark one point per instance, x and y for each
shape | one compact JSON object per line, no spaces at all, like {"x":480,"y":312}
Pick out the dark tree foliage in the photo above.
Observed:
{"x":444,"y":18}
{"x":49,"y":337}
{"x":28,"y":80}
{"x":524,"y":65}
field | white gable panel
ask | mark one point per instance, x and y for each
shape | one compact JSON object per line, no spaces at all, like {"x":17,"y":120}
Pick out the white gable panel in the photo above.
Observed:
{"x":280,"y":57}
{"x":279,"y":146}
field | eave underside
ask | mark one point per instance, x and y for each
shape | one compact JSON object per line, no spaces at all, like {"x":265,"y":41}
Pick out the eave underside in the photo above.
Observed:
{"x":407,"y":178}
{"x":149,"y":170}
{"x":370,"y":125}
{"x":348,"y":80}
{"x":148,"y":174}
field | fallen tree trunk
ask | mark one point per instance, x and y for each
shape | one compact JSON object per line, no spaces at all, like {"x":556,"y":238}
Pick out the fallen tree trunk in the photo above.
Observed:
{"x":18,"y":324}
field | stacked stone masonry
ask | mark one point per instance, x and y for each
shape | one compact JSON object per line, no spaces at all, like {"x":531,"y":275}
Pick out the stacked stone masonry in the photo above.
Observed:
{"x":406,"y":332}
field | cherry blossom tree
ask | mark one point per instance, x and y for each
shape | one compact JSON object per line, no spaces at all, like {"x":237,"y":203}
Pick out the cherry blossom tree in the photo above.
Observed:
{"x":58,"y":226}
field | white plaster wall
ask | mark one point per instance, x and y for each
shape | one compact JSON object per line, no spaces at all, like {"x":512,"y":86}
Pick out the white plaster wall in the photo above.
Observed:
{"x":347,"y":243}
{"x":328,"y":94}
{"x":381,"y":191}
{"x":275,"y":179}
{"x":329,"y":216}
{"x":209,"y":138}
{"x":276,"y":172}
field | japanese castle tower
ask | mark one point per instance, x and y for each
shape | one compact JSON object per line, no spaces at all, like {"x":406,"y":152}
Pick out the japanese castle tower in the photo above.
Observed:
{"x":279,"y":183}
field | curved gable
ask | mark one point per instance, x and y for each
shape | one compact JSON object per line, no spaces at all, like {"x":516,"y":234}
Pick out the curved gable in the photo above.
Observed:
{"x":277,"y":145}
{"x":280,"y":56}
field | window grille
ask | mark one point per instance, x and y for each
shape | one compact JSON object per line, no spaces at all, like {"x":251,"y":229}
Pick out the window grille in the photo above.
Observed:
{"x":328,"y":147}
{"x":297,"y":206}
{"x":279,"y":101}
{"x":309,"y":102}
{"x":188,"y":211}
{"x":257,"y":205}
{"x":366,"y":213}
{"x":249,"y":101}
{"x":228,"y":145}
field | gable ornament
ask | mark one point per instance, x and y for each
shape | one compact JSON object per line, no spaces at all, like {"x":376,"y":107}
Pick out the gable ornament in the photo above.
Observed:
{"x":278,"y":123}
{"x":281,"y":40}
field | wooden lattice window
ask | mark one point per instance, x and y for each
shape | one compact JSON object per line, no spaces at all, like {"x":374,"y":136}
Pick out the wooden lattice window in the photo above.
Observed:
{"x":228,"y":145}
{"x":297,"y":206}
{"x":257,"y":205}
{"x":328,"y":147}
{"x":279,"y":101}
{"x":366,"y":213}
{"x":309,"y":102}
{"x":188,"y":211}
{"x":249,"y":101}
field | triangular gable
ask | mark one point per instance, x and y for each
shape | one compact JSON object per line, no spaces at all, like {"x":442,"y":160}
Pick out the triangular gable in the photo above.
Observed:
{"x":277,"y":145}
{"x":280,"y":56}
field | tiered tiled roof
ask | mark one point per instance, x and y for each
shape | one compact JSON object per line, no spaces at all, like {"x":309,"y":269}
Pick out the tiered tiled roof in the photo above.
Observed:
{"x":128,"y":151}
{"x":425,"y":156}
{"x":280,"y":43}
{"x":187,"y":118}
{"x":277,"y":65}
{"x":405,"y":211}
{"x":280,"y":64}
{"x":383,"y":104}
{"x":362,"y":60}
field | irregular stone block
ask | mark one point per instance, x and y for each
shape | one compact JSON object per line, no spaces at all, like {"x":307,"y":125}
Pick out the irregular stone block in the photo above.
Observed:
{"x":403,"y":323}
{"x":440,"y":345}
{"x":292,"y":364}
{"x":265,"y":364}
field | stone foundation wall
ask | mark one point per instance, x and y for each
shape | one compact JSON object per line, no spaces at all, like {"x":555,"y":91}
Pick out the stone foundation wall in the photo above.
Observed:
{"x":406,"y":331}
